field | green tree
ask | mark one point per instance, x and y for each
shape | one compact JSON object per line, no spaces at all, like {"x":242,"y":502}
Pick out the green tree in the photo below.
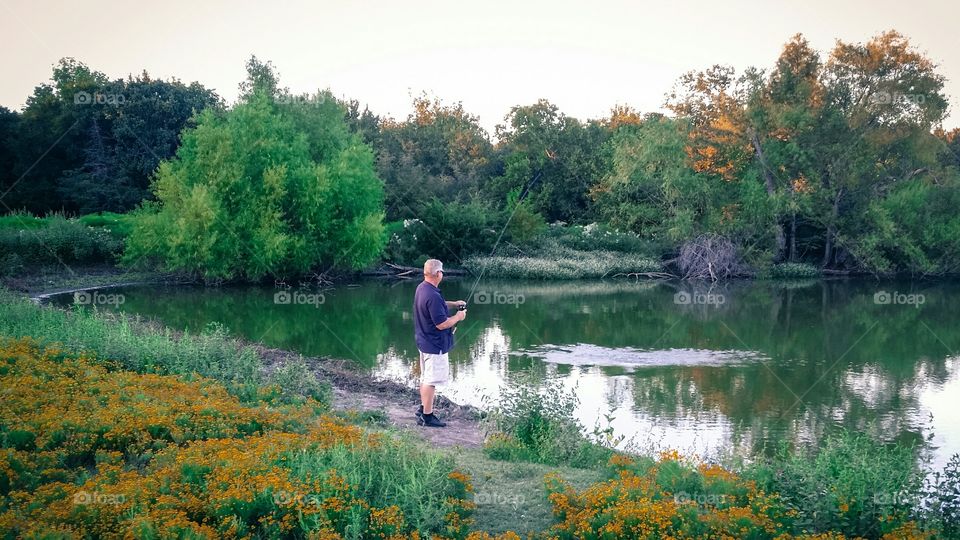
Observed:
{"x":440,"y":151}
{"x":9,"y":129}
{"x":551,"y":159}
{"x":85,"y":143}
{"x":269,"y":188}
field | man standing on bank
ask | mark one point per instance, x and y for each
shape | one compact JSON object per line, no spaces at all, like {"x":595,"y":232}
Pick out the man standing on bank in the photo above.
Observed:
{"x":433,"y":329}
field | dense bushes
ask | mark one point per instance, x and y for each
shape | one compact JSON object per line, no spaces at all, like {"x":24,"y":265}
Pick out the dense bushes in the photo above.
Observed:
{"x":850,"y":484}
{"x":54,"y":240}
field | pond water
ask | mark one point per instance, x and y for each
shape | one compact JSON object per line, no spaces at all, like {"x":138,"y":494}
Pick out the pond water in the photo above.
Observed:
{"x":745,"y":365}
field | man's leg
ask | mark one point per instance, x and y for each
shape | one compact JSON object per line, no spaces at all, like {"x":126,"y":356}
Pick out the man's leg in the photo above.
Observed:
{"x":427,"y":392}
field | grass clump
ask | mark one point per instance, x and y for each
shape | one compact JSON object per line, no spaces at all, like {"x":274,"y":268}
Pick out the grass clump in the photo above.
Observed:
{"x":119,"y":225}
{"x":20,"y":220}
{"x":537,"y":424}
{"x":563,"y":263}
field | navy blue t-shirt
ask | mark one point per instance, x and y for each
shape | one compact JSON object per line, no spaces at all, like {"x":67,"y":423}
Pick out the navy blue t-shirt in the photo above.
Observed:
{"x":429,"y":310}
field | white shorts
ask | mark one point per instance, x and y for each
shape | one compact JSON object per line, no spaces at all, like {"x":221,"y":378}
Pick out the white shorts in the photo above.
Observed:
{"x":434,"y":368}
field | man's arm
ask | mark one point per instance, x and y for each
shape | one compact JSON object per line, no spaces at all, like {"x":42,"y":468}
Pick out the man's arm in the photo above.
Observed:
{"x":459,"y":316}
{"x":440,"y":314}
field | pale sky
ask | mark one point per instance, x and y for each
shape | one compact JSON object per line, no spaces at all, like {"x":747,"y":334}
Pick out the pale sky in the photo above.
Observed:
{"x":583,"y":56}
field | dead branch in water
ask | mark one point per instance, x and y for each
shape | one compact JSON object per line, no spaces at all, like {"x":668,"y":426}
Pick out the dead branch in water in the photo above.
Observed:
{"x":647,"y":275}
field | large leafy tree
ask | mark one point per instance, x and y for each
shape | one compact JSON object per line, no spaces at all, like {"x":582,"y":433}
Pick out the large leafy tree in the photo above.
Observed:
{"x":9,"y":128}
{"x":883,"y":99}
{"x":51,"y":137}
{"x":828,"y":141}
{"x":551,"y":160}
{"x":85,"y":143}
{"x":276,"y":186}
{"x":440,"y":151}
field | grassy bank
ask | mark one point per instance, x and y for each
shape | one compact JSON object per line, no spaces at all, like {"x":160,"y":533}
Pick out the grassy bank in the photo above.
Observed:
{"x":146,"y":348}
{"x":851,"y":486}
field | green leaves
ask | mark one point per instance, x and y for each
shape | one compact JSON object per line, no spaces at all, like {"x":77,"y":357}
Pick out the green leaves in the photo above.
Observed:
{"x":253,"y":193}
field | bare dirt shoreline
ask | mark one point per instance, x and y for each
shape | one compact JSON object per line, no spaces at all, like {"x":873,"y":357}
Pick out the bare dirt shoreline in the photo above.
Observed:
{"x":354,"y":390}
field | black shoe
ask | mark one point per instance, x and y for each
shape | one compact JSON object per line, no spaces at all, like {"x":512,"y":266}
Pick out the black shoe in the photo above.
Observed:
{"x":431,"y":420}
{"x":420,"y":414}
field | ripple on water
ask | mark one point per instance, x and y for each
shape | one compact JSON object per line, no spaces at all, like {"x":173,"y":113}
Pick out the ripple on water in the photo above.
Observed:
{"x":585,"y":354}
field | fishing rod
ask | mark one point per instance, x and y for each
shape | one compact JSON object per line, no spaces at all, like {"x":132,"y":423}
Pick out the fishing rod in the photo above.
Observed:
{"x":523,"y":193}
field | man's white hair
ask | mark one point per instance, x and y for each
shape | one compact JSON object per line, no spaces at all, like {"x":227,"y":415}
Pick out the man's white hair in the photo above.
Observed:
{"x":431,"y":267}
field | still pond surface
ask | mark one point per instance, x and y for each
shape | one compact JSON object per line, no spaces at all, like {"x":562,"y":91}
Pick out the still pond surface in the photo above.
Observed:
{"x":744,"y":365}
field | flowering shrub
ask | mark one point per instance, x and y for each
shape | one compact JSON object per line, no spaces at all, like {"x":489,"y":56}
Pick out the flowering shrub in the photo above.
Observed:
{"x":90,"y":452}
{"x":675,"y":498}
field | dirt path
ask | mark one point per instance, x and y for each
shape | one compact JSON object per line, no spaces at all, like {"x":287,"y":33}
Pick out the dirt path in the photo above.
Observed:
{"x":359,"y":391}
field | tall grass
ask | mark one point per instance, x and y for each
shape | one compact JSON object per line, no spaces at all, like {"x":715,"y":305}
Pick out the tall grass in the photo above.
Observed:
{"x":150,"y":349}
{"x":393,"y":472}
{"x":563,"y":263}
{"x":20,"y":219}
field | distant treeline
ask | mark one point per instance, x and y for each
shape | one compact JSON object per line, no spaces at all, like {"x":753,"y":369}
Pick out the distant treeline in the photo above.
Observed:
{"x":835,"y":159}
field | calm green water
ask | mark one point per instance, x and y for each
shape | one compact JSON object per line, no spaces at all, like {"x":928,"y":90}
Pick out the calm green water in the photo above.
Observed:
{"x":744,"y":365}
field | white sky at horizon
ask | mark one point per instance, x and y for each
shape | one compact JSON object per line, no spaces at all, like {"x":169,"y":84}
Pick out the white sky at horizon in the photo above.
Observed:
{"x":585,"y":58}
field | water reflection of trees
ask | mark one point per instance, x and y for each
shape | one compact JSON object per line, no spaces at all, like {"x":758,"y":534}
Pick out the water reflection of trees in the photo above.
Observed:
{"x":835,"y":356}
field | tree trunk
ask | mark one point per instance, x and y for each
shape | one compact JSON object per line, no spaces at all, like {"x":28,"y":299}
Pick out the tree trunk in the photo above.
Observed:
{"x":793,"y":237}
{"x":831,"y":230}
{"x":771,"y":186}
